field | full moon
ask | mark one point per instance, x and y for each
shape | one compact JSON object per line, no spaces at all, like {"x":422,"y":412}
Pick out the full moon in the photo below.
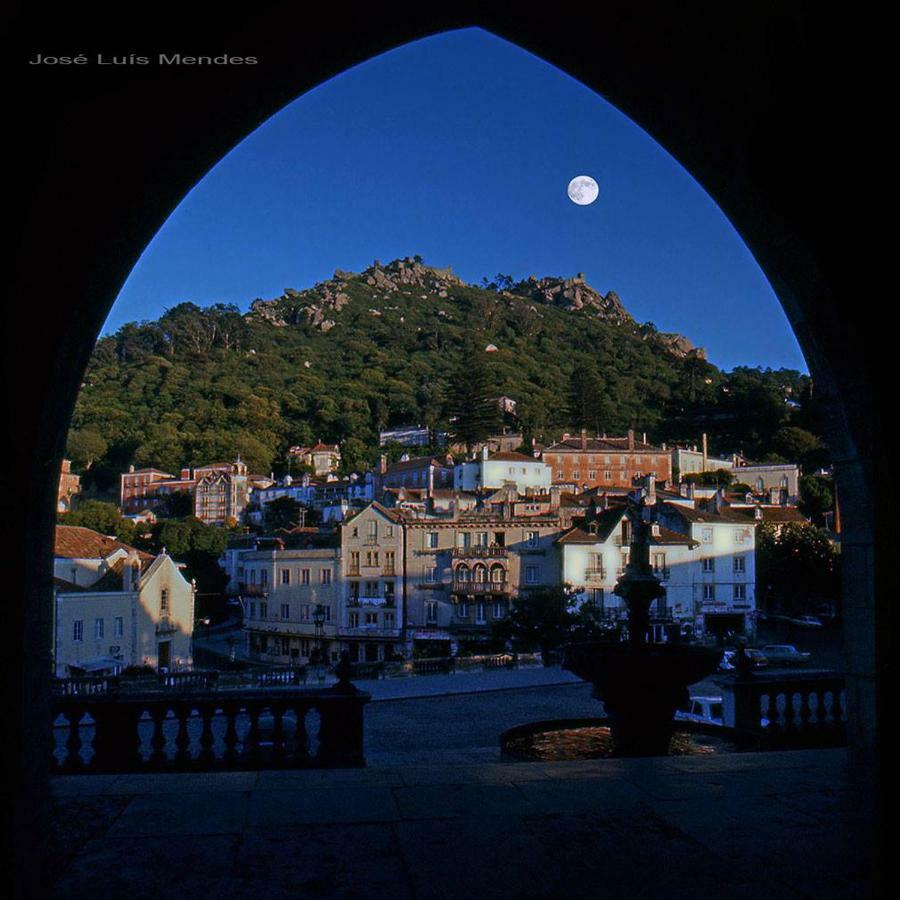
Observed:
{"x":583,"y":190}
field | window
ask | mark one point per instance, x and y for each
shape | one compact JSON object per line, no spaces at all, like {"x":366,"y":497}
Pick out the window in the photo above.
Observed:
{"x":371,"y":618}
{"x":531,"y":574}
{"x":372,"y":530}
{"x":431,"y":540}
{"x":462,"y":610}
{"x":164,"y":601}
{"x":388,"y":620}
{"x":739,"y":565}
{"x":285,"y":610}
{"x":304,"y":612}
{"x":481,"y":539}
{"x":463,"y":539}
{"x":118,"y":626}
{"x":353,"y":620}
{"x":498,"y":609}
{"x":325,"y":576}
{"x":709,"y":564}
{"x":706,"y":535}
{"x":740,"y":592}
{"x":531,"y":538}
{"x":740,"y":535}
{"x":431,"y":609}
{"x":659,"y":562}
{"x":479,"y":614}
{"x":78,"y":630}
{"x":389,"y":531}
{"x":285,"y":576}
{"x":709,"y":592}
{"x":304,"y":576}
{"x":98,"y":629}
{"x":607,"y":475}
{"x":592,"y":475}
{"x":263,"y":610}
{"x":431,"y":575}
{"x":576,"y":475}
{"x":264,"y":577}
{"x":354,"y":560}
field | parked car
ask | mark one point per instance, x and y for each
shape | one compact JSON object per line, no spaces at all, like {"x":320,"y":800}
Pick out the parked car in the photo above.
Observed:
{"x":758,"y":658}
{"x":785,"y":655}
{"x":811,"y":621}
{"x":706,"y":710}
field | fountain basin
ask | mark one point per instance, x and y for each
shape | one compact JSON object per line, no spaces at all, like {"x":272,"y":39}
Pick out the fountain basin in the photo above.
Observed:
{"x":564,"y":740}
{"x":641,"y":687}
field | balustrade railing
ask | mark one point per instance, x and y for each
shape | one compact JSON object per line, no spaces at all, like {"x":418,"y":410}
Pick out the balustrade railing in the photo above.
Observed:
{"x":162,"y":731}
{"x":803,"y":710}
{"x":480,"y":587}
{"x":480,"y":552}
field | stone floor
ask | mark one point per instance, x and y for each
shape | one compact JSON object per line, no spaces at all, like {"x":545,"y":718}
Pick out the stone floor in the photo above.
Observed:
{"x":746,"y":825}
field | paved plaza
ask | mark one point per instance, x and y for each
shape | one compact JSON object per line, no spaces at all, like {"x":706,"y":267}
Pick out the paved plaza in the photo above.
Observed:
{"x":773,"y":825}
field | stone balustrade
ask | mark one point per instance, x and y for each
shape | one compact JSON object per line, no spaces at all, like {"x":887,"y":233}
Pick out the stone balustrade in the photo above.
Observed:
{"x":778,"y":711}
{"x":209,"y":730}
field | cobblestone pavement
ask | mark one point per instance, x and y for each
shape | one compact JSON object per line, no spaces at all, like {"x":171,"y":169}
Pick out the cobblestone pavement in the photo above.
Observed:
{"x":465,"y":728}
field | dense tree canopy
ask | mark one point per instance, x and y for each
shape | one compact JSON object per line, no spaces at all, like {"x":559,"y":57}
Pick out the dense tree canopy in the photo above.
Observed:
{"x":205,"y":384}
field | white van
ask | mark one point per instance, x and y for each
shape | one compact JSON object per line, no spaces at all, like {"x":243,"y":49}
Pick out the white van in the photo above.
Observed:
{"x":706,"y":710}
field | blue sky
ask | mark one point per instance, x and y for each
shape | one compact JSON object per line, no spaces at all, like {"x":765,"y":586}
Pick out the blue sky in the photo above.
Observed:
{"x":459,"y":148}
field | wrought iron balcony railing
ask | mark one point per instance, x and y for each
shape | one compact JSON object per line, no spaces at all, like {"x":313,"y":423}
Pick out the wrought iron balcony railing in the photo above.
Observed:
{"x":480,"y":552}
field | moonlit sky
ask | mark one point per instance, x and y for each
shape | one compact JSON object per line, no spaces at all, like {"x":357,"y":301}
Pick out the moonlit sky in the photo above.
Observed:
{"x":459,"y":147}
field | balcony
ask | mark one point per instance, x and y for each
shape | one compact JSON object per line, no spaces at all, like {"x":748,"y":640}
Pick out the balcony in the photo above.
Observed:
{"x":595,"y":574}
{"x":369,"y":631}
{"x":388,"y":601}
{"x":481,"y":587}
{"x":480,"y":553}
{"x":253,"y":590}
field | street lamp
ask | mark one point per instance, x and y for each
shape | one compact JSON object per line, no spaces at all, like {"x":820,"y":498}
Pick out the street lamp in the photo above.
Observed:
{"x":319,"y":622}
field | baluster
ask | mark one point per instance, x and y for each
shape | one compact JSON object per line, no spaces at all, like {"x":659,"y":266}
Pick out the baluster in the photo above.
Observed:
{"x":251,"y":742}
{"x":73,"y":761}
{"x":301,"y":739}
{"x":278,"y":753}
{"x":182,"y":739}
{"x":230,"y":756}
{"x":803,"y":711}
{"x":207,"y":757}
{"x":158,"y":758}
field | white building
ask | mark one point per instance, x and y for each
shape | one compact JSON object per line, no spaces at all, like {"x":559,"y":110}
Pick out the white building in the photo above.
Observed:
{"x":116,"y":606}
{"x":492,"y":471}
{"x":706,"y":562}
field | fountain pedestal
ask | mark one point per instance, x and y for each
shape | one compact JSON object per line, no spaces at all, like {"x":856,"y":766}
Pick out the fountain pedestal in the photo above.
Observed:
{"x":641,"y":684}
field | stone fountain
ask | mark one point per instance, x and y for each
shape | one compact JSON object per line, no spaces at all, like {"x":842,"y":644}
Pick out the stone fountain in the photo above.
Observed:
{"x":640,"y":683}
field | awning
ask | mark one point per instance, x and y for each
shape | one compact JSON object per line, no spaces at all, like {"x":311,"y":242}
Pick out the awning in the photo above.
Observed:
{"x":99,"y":664}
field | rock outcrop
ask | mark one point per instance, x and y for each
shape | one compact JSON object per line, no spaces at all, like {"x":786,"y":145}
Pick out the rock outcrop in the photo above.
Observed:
{"x":574,"y":294}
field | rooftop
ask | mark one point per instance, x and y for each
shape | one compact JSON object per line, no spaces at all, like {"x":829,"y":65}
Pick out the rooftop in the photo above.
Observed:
{"x":77,"y":542}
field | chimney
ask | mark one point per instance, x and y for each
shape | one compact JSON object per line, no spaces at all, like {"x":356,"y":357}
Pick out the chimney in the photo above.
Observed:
{"x":644,"y":438}
{"x":185,"y":474}
{"x":130,"y":468}
{"x":555,"y":492}
{"x":650,"y":484}
{"x":382,"y":464}
{"x":758,"y":513}
{"x":584,"y":439}
{"x":430,"y":481}
{"x":631,"y":439}
{"x":484,"y":452}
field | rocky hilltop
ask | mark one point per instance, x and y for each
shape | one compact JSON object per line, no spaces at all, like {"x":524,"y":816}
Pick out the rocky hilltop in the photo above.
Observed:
{"x":320,"y":306}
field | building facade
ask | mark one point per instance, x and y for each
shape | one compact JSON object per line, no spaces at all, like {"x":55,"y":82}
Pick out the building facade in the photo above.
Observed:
{"x":116,"y":606}
{"x":373,"y":597}
{"x":221,"y":493}
{"x":291,"y":603}
{"x":596,"y":462}
{"x":69,"y":487}
{"x":494,"y":470}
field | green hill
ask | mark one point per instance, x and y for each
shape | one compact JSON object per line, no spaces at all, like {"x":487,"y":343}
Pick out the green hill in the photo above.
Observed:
{"x":399,"y":344}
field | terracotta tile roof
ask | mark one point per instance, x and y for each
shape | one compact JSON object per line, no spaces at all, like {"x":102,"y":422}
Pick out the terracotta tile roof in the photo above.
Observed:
{"x":690,"y":514}
{"x":601,"y":445}
{"x":511,"y":456}
{"x":77,"y":542}
{"x":417,"y":462}
{"x":667,"y":536}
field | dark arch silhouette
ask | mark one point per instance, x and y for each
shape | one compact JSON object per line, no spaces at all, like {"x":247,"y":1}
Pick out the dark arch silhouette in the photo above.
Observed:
{"x":745,"y":98}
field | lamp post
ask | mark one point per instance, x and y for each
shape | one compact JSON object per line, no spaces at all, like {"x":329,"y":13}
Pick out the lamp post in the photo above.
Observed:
{"x":319,"y":622}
